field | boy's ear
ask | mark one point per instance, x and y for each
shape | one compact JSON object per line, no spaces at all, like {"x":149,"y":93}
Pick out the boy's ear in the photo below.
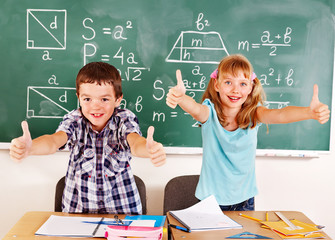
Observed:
{"x":78,"y":97}
{"x":118,"y":101}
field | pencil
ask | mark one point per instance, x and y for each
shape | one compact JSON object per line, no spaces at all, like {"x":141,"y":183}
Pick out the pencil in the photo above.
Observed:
{"x":267,"y":216}
{"x":252,"y":218}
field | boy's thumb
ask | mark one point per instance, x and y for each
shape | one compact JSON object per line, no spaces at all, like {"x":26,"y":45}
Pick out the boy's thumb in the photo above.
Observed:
{"x":150,"y":136}
{"x":25,"y":129}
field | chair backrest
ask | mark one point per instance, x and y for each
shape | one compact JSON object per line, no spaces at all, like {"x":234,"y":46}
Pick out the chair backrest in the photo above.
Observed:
{"x":139,"y":183}
{"x":59,"y":194}
{"x":179,"y":193}
{"x":143,"y":193}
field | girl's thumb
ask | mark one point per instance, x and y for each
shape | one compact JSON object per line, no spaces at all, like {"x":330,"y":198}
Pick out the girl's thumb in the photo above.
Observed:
{"x":315,"y":93}
{"x":180,"y":83}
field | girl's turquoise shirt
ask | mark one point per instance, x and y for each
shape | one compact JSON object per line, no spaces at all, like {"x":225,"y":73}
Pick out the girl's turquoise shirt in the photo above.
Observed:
{"x":228,"y":167}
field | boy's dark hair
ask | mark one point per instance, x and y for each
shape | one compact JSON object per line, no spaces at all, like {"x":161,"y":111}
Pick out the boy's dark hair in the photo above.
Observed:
{"x":100,"y":73}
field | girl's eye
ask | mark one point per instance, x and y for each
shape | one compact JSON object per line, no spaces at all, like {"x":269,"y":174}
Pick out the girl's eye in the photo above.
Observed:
{"x":244,"y":84}
{"x":227,"y":82}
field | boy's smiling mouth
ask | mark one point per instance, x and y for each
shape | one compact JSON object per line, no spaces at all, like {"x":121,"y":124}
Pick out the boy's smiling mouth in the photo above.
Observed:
{"x":97,"y":114}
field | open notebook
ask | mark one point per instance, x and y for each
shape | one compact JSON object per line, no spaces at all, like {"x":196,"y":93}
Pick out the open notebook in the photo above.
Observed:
{"x":205,"y":215}
{"x":72,"y":227}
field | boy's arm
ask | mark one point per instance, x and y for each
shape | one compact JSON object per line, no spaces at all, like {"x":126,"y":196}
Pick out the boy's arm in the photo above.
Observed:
{"x":24,"y":146}
{"x":177,"y":96}
{"x":148,"y":148}
{"x":316,"y":110}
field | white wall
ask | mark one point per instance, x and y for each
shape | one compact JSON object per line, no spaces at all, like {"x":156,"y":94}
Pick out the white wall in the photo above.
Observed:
{"x":306,"y":185}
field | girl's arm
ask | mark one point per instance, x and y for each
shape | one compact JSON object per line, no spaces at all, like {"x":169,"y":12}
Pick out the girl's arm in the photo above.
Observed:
{"x":24,"y":146}
{"x":147,"y":148}
{"x":177,"y":96}
{"x":316,"y":110}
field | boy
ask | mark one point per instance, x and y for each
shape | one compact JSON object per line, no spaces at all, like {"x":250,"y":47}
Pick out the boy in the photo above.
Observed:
{"x":101,"y":138}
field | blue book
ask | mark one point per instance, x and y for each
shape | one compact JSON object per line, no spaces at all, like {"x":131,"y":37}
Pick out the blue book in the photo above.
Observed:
{"x":159,"y":220}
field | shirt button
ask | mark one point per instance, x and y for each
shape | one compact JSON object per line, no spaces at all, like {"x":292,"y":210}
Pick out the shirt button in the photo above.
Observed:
{"x":99,"y":175}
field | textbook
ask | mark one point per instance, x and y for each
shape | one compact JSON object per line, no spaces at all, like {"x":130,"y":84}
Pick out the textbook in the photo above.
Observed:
{"x":70,"y":226}
{"x":205,"y":215}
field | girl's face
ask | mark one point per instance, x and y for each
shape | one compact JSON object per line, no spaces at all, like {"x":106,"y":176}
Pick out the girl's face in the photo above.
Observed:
{"x":97,"y":103}
{"x":233,"y":91}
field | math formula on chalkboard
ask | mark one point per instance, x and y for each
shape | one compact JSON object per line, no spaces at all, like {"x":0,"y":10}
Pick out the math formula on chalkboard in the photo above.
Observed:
{"x":290,"y":46}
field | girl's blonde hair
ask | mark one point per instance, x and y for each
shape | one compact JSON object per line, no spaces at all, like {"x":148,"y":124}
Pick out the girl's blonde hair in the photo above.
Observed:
{"x":232,"y":65}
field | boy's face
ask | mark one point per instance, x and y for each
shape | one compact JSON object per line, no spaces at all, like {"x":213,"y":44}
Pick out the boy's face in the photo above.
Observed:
{"x":97,"y":103}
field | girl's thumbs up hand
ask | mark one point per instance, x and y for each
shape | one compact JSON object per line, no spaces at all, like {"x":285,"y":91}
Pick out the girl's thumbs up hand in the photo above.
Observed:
{"x":155,"y":149}
{"x":20,"y":147}
{"x":176,"y":93}
{"x":319,"y":110}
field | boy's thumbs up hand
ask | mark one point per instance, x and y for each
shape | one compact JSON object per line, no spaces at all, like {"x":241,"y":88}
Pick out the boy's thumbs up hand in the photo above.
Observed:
{"x":155,"y":149}
{"x":25,"y":129}
{"x":20,"y":147}
{"x":176,"y":93}
{"x":319,"y":110}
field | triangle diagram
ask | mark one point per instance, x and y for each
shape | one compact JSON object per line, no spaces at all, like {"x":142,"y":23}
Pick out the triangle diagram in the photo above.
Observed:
{"x":248,"y":235}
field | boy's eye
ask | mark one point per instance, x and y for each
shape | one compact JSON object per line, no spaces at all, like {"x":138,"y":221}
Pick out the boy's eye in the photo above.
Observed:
{"x":105,"y":99}
{"x":86,"y":99}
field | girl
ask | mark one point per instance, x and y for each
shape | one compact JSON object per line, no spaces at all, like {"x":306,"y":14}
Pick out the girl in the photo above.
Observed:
{"x":230,"y":114}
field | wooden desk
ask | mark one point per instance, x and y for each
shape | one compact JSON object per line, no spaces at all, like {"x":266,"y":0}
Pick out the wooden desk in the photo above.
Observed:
{"x":248,"y":225}
{"x":26,"y":227}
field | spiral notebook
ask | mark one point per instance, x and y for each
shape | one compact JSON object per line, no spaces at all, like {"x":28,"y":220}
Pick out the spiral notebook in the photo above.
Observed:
{"x":205,"y":215}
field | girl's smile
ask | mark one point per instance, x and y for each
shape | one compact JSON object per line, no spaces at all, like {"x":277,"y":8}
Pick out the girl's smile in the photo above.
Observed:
{"x":234,"y":99}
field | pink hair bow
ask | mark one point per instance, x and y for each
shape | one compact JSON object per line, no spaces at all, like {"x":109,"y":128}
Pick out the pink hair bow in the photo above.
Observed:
{"x":214,"y":74}
{"x":253,"y":76}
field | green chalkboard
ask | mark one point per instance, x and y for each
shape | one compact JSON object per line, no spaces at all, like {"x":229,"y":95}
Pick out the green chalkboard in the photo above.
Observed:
{"x":43,"y":44}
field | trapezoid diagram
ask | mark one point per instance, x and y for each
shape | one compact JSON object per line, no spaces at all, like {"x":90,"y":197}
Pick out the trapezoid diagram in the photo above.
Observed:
{"x":198,"y":47}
